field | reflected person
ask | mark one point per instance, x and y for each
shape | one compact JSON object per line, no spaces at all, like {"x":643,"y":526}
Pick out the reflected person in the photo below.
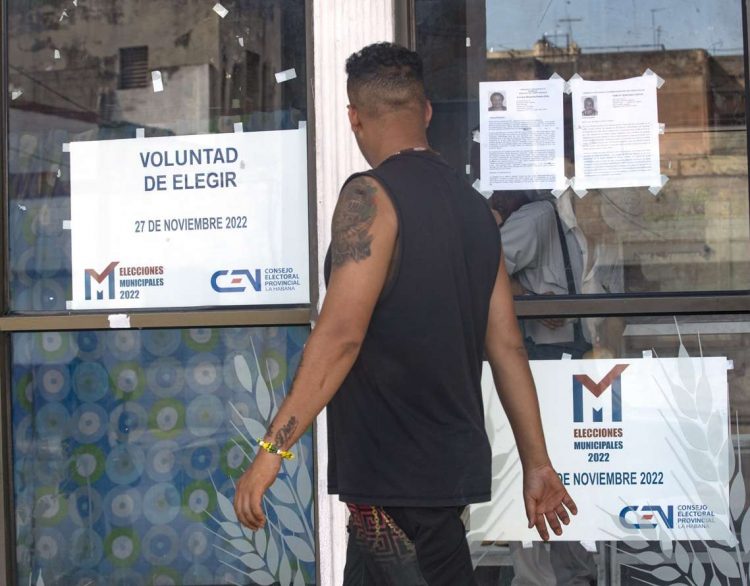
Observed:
{"x":544,"y":257}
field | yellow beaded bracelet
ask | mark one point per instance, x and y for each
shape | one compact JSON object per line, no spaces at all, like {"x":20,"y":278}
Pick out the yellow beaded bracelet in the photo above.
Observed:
{"x":273,"y":449}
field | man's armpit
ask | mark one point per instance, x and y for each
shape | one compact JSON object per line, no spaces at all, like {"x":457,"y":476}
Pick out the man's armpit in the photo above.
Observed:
{"x":354,"y":215}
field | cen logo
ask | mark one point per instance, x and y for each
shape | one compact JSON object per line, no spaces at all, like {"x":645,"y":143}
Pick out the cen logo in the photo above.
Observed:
{"x":235,"y":281}
{"x":646,"y":517}
{"x":613,"y":379}
{"x":107,"y":274}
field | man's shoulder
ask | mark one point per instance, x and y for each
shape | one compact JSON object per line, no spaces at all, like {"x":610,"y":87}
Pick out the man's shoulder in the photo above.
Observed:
{"x":540,"y":210}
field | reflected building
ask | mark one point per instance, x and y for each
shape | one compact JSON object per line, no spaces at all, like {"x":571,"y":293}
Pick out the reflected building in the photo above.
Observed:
{"x":101,"y":71}
{"x":694,"y":234}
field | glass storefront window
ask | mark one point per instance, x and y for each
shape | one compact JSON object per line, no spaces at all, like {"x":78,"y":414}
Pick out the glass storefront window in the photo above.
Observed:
{"x":694,"y":234}
{"x":135,"y":109}
{"x":126,"y":449}
{"x":699,"y":439}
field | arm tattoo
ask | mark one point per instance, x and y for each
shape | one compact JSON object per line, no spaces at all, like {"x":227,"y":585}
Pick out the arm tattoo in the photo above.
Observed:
{"x":354,"y":215}
{"x":284,"y":434}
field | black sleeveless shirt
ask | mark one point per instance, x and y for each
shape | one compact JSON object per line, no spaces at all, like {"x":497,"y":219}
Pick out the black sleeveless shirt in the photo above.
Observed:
{"x":406,"y":428}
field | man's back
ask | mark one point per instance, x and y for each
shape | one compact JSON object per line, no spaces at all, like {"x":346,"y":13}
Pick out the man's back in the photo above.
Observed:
{"x":407,"y":426}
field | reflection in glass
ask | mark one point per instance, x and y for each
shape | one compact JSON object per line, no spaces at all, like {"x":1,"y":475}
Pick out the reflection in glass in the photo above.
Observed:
{"x":102,"y":71}
{"x":694,"y":235}
{"x":126,"y":448}
{"x":659,"y":562}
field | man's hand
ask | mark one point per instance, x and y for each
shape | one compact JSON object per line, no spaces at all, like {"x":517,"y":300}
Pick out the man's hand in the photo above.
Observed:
{"x":545,"y":498}
{"x":251,"y":487}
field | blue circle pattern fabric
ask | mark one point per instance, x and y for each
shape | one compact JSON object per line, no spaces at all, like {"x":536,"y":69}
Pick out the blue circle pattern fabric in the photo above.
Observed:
{"x":126,"y":449}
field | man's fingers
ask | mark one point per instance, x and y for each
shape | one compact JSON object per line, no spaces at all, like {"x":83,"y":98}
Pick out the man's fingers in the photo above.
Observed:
{"x":541,"y":527}
{"x":256,"y":510}
{"x":563,"y":514}
{"x":530,"y":511}
{"x":554,"y":522}
{"x":568,"y":502}
{"x":244,"y":513}
{"x":248,"y":514}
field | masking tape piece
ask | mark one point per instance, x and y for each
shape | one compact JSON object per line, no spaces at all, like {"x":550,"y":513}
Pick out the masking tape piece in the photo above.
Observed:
{"x":568,"y":85}
{"x":566,"y":356}
{"x":119,"y":320}
{"x":476,"y":137}
{"x":527,"y":544}
{"x":220,"y":10}
{"x":478,"y":186}
{"x":468,"y":169}
{"x":15,"y":94}
{"x":302,"y":124}
{"x":140,"y":133}
{"x":468,"y":41}
{"x":730,"y":364}
{"x":67,"y":224}
{"x":659,"y":80}
{"x":648,"y":354}
{"x":655,"y":189}
{"x":22,"y":207}
{"x":241,"y":41}
{"x":57,"y":53}
{"x":589,"y":546}
{"x":286,"y":75}
{"x":558,"y":192}
{"x":556,"y":75}
{"x":662,"y":128}
{"x":238,"y":127}
{"x":68,"y":305}
{"x":156,"y":81}
{"x":66,"y":147}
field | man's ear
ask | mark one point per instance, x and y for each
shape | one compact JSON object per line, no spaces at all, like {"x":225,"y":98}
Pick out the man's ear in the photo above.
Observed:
{"x":427,"y":113}
{"x":354,"y":120}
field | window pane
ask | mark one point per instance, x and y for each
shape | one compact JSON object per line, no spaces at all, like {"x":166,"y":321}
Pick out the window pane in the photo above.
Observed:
{"x":127,"y":445}
{"x":125,"y":147}
{"x":691,"y":434}
{"x":694,"y":234}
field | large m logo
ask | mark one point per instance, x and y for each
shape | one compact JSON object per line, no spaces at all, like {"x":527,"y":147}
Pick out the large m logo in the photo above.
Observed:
{"x":612,"y":378}
{"x":109,"y":274}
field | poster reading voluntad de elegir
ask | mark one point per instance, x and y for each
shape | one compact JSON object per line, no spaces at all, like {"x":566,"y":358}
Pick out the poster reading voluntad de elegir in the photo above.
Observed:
{"x":640,"y":444}
{"x":186,"y":221}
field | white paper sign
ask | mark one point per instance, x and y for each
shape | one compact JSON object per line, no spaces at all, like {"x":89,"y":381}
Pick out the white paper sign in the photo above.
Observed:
{"x":640,"y":443}
{"x":185,"y":221}
{"x":521,"y":126}
{"x":616,"y":133}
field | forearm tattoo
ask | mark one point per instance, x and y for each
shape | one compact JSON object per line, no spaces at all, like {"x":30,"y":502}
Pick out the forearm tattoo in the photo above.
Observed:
{"x":284,"y":434}
{"x":354,"y":215}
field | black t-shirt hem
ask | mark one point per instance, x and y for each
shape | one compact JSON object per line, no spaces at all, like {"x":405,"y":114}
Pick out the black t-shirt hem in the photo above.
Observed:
{"x":382,"y":501}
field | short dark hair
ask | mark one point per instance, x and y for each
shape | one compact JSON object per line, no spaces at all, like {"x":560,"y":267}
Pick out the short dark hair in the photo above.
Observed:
{"x":507,"y":202}
{"x":385,"y":76}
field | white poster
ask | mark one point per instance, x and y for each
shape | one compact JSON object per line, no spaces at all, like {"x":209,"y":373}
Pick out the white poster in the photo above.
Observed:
{"x":521,"y":134}
{"x":185,"y":221}
{"x":641,"y":445}
{"x":616,"y":133}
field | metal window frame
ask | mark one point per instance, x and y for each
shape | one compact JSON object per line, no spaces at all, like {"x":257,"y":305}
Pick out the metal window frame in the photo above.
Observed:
{"x":139,"y":319}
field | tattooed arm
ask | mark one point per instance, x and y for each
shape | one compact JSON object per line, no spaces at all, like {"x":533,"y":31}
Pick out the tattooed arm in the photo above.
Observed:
{"x":364,"y":232}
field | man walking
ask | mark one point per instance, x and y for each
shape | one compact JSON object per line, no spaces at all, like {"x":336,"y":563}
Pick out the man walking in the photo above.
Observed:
{"x":417,"y":295}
